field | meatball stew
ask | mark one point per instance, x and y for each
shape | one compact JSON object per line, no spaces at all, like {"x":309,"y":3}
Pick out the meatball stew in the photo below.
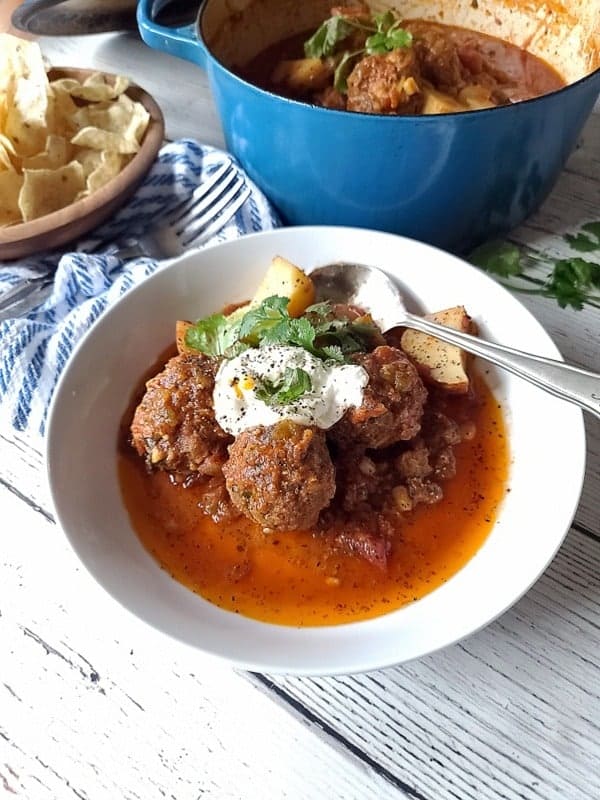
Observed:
{"x":295,"y":520}
{"x":380,"y":64}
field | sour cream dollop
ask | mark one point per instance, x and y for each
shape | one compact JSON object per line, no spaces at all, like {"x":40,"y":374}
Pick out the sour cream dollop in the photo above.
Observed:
{"x":334,"y":389}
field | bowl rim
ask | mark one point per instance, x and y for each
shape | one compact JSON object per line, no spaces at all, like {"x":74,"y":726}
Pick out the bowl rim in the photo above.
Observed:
{"x":366,"y":662}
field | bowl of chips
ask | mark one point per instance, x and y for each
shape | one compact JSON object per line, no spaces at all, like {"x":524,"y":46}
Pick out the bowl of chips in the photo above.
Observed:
{"x":74,"y":145}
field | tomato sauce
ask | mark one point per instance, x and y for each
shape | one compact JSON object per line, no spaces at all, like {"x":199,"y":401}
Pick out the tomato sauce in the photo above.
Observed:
{"x":298,"y":578}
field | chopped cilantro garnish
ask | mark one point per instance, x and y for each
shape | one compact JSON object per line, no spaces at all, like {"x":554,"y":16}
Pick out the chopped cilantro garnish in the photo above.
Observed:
{"x":258,"y":321}
{"x":318,"y":331}
{"x":214,"y":335}
{"x":388,"y":36}
{"x":383,"y":34}
{"x":294,"y":383}
{"x":326,"y":38}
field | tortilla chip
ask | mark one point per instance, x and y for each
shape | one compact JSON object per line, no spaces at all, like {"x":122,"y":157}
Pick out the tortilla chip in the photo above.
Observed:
{"x":10,"y":187}
{"x":109,"y":167}
{"x":61,"y":113}
{"x":99,"y":139}
{"x":88,"y":158}
{"x":8,"y":156}
{"x":55,"y":154}
{"x":47,"y":190}
{"x":95,"y":88}
{"x":123,"y":116}
{"x":19,"y":58}
{"x":25,"y":123}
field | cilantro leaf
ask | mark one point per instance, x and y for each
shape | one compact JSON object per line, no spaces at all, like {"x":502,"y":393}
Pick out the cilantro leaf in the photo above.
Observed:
{"x":332,"y":352}
{"x":343,"y":69}
{"x":571,"y":280}
{"x":294,"y":383}
{"x":256,"y":322}
{"x":587,"y":240}
{"x":389,"y":35}
{"x":335,"y":336}
{"x":213,"y":335}
{"x":327,"y":36}
{"x":499,"y":258}
{"x":321,"y":309}
{"x":298,"y":332}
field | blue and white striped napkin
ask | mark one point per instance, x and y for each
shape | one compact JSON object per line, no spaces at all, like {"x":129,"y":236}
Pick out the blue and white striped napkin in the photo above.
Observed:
{"x":35,"y":347}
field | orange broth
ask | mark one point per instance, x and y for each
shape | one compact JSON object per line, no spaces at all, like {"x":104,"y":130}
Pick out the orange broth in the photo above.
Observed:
{"x":295,"y":578}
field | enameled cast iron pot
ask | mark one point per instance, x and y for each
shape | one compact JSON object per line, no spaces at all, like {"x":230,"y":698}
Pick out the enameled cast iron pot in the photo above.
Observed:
{"x":453,"y":180}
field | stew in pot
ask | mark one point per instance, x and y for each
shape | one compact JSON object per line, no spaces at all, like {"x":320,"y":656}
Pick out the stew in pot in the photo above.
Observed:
{"x":380,"y":64}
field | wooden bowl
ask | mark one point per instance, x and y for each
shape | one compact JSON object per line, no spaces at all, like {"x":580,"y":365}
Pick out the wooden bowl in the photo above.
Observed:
{"x":56,"y":229}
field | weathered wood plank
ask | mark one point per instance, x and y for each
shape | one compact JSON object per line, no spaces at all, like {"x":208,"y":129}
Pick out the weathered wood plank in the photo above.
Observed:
{"x":96,"y":705}
{"x":512,"y":712}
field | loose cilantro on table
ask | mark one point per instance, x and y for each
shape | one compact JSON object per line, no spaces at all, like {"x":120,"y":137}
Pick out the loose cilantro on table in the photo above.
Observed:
{"x":384,"y":35}
{"x":587,"y":240}
{"x":294,"y":383}
{"x":573,"y":282}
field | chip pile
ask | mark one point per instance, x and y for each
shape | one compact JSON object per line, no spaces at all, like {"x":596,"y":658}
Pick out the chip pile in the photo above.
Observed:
{"x":59,"y":140}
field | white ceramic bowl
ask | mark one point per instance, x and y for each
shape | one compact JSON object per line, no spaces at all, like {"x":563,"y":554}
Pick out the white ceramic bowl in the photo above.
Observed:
{"x":96,"y":386}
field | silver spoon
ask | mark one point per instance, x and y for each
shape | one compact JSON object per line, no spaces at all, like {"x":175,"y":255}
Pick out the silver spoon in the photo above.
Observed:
{"x":372,"y":290}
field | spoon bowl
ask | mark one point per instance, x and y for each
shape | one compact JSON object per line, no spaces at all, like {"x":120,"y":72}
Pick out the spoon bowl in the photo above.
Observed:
{"x":370,"y":288}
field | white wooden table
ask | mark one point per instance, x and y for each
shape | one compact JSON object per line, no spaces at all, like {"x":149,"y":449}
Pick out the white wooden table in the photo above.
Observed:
{"x":95,"y":706}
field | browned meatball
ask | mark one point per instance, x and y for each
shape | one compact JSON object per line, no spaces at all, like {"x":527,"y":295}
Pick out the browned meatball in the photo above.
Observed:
{"x":392,"y":405}
{"x":280,"y":476}
{"x":437,"y":55}
{"x":386,"y":84}
{"x":174,"y":426}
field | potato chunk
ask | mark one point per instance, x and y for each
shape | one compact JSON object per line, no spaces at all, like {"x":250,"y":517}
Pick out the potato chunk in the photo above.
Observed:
{"x":286,"y":280}
{"x":303,"y":74}
{"x":439,"y":363}
{"x":440,"y":103}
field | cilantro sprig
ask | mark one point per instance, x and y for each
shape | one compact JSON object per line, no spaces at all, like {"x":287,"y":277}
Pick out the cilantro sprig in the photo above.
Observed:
{"x":573,"y":282}
{"x":383,"y":33}
{"x":293,"y":384}
{"x":214,"y":335}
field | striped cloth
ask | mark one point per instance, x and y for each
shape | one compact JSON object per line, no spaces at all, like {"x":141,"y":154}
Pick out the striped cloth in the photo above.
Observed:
{"x":35,"y":348}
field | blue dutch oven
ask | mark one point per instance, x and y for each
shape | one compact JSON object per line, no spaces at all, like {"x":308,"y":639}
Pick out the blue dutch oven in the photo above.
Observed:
{"x":453,"y":180}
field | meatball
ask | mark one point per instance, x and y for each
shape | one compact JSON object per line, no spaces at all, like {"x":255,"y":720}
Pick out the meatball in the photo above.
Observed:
{"x":392,"y":405}
{"x":174,"y":425}
{"x":438,"y":57}
{"x":386,"y":84}
{"x":280,"y":476}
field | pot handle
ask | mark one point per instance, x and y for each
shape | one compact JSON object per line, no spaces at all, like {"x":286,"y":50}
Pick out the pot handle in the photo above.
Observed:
{"x":182,"y":42}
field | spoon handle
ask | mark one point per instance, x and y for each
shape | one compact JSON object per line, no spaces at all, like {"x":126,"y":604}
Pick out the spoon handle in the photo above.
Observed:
{"x":562,"y":380}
